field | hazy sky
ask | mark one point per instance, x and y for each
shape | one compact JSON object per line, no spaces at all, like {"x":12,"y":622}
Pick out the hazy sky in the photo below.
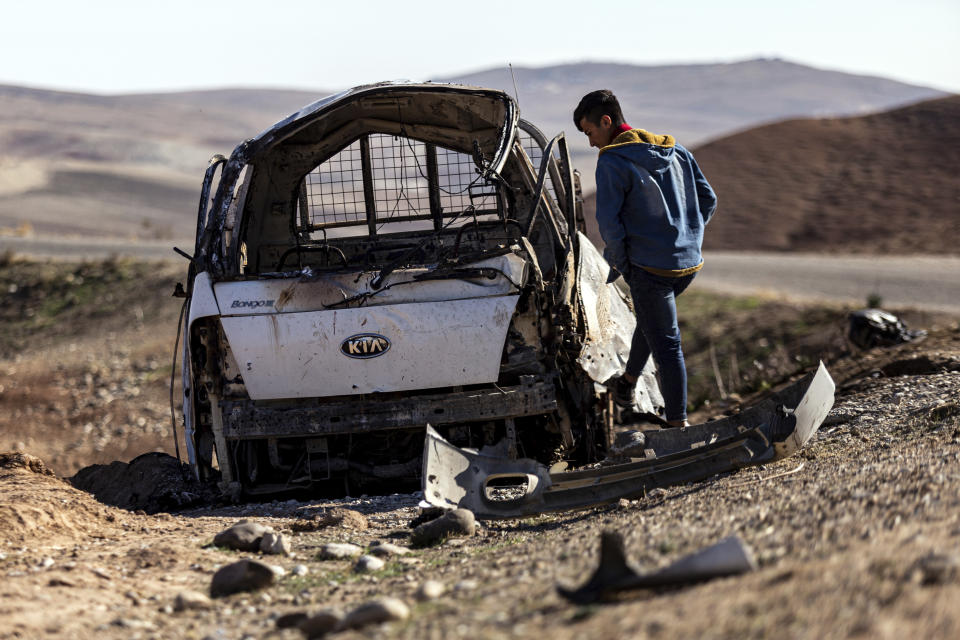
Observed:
{"x":126,"y":46}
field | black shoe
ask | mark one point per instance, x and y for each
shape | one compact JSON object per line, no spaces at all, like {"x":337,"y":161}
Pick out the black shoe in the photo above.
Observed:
{"x":624,"y":392}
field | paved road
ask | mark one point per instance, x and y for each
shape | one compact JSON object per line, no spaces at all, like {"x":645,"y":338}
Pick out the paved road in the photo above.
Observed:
{"x":92,"y":248}
{"x":931,"y":283}
{"x":919,"y":282}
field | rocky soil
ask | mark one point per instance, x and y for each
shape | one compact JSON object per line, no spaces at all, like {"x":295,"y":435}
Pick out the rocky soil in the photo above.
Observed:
{"x":857,"y":536}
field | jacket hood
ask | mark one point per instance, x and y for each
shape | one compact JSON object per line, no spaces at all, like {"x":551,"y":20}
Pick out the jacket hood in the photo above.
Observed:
{"x":652,"y":151}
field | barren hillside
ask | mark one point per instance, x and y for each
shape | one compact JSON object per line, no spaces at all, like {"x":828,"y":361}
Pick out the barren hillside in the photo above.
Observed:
{"x":129,"y":166}
{"x":857,"y":536}
{"x":883,"y":183}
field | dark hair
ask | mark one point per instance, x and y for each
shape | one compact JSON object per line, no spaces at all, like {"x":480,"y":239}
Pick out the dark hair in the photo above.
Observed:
{"x":597,"y":104}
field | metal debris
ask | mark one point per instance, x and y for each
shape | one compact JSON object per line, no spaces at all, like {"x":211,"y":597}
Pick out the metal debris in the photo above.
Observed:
{"x":768,"y":431}
{"x":615,"y":573}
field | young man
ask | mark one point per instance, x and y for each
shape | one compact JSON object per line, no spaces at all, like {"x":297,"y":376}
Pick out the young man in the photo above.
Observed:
{"x":652,"y":205}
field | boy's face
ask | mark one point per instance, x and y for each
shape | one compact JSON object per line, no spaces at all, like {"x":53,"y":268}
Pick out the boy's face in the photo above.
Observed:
{"x":599,"y":135}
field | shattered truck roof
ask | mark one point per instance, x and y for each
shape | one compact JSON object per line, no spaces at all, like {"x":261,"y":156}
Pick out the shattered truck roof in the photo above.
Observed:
{"x":461,"y":113}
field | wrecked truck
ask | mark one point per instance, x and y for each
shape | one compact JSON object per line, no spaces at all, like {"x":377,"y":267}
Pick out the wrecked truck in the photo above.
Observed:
{"x":387,"y":258}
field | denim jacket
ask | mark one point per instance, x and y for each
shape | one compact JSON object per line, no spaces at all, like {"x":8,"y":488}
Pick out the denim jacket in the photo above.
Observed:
{"x":652,"y":204}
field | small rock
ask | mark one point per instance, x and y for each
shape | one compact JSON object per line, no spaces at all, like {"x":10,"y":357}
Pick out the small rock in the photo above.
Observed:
{"x":339,"y":517}
{"x":132,"y":623}
{"x":376,"y":611}
{"x":368,"y":563}
{"x":937,"y":568}
{"x":243,"y":536}
{"x":629,"y":443}
{"x":289,"y":620}
{"x":61,"y":582}
{"x":429,"y":590}
{"x":278,"y":571}
{"x":321,"y":623}
{"x":47,"y":562}
{"x":191,"y":601}
{"x":465,"y":585}
{"x":339,"y":550}
{"x":275,"y":543}
{"x":300,"y":570}
{"x":245,"y":575}
{"x":100,"y":573}
{"x":387,"y":549}
{"x":459,"y":522}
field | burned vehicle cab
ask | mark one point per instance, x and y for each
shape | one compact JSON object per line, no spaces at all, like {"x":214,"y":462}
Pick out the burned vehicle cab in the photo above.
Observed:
{"x":390,"y":257}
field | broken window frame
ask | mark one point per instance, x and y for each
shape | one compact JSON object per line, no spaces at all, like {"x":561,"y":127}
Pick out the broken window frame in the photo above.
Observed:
{"x":372,"y":221}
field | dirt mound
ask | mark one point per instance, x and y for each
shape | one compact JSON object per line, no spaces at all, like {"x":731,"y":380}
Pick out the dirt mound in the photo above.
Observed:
{"x":152,"y":482}
{"x":883,"y":183}
{"x":15,"y":460}
{"x":34,"y":503}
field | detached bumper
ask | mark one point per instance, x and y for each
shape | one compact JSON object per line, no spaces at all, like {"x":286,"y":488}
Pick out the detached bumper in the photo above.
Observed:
{"x":773,"y":429}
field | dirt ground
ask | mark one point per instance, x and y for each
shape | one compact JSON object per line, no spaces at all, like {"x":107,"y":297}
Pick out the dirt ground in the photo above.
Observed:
{"x":857,"y":536}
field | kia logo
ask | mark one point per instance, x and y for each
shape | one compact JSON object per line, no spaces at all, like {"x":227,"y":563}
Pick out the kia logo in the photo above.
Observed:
{"x":365,"y":345}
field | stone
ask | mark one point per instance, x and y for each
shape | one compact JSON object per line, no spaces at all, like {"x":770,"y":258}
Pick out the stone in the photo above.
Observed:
{"x":385,"y":609}
{"x":191,"y":601}
{"x":311,"y":520}
{"x":244,"y":575}
{"x":430,"y":590}
{"x":339,"y":551}
{"x":321,"y":623}
{"x":937,"y":568}
{"x":274,"y":543}
{"x":300,"y":570}
{"x":291,"y":620}
{"x":459,"y":522}
{"x":465,"y":585}
{"x":387,"y":549}
{"x":629,"y":443}
{"x":243,"y":536}
{"x":368,"y":563}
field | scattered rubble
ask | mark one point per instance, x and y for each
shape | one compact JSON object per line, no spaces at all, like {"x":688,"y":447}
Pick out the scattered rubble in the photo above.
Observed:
{"x":243,"y":536}
{"x":339,"y":550}
{"x":191,"y":601}
{"x":457,"y":522}
{"x":384,"y":609}
{"x":311,"y":519}
{"x":243,"y":575}
{"x":275,"y":543}
{"x":322,"y":623}
{"x":387,"y":549}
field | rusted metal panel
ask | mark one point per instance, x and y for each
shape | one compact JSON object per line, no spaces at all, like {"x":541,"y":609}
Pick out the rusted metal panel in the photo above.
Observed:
{"x":248,"y":420}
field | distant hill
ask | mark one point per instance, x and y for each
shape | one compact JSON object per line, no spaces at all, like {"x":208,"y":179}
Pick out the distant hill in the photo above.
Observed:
{"x":121,"y":166}
{"x":882,"y":183}
{"x":693,"y":102}
{"x":130,"y":165}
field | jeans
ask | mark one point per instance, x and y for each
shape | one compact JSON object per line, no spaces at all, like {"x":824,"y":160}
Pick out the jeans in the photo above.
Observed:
{"x":657,"y":332}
